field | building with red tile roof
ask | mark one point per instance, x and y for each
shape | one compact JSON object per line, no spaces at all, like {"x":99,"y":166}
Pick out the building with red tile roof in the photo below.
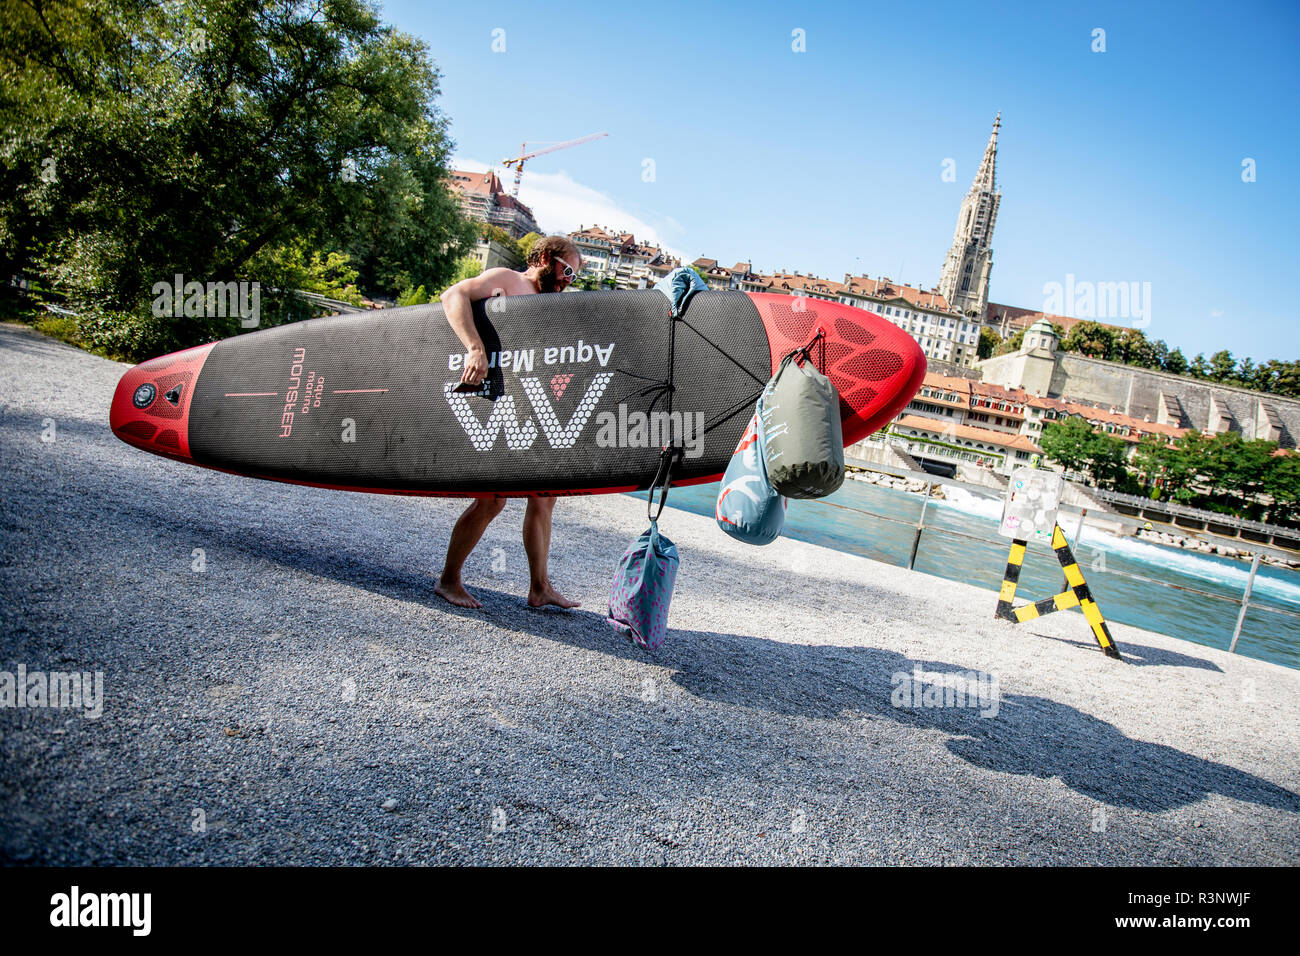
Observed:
{"x":483,"y":198}
{"x":931,"y":438}
{"x":617,"y":256}
{"x":991,"y":416}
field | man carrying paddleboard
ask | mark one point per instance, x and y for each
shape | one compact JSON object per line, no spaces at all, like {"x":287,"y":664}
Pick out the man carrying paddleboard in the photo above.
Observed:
{"x":553,"y":263}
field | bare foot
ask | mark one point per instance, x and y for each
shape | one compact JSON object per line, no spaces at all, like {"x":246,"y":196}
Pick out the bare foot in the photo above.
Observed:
{"x":541,"y":597}
{"x":456,"y":594}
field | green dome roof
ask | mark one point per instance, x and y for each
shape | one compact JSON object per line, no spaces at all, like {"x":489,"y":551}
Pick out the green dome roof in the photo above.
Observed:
{"x":1042,"y":325}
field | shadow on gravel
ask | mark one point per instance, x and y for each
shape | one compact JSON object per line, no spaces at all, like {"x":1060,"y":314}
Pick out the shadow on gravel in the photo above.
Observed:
{"x":26,"y":426}
{"x":1139,"y":655}
{"x":1029,"y":736}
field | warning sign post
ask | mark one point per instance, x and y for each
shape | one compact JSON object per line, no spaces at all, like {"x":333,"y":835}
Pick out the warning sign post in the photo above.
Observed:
{"x":1029,"y":512}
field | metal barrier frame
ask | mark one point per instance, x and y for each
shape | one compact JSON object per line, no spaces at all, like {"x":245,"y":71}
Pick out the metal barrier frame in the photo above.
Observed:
{"x":1243,"y":602}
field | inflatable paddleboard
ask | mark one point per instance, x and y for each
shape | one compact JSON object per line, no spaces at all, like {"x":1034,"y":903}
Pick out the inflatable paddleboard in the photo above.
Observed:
{"x":576,"y":401}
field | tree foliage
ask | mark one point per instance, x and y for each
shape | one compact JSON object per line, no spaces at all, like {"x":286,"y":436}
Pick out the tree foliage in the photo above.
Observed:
{"x":526,"y":243}
{"x":501,"y":237}
{"x":593,"y":283}
{"x":466,"y":268}
{"x":1092,"y":339}
{"x":211,"y":138}
{"x":1132,"y":347}
{"x":1011,"y":344}
{"x":989,"y":341}
{"x":1074,"y":445}
{"x":1223,"y":472}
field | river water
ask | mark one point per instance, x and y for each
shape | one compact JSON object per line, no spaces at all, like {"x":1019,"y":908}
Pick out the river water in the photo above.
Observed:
{"x":844,"y":521}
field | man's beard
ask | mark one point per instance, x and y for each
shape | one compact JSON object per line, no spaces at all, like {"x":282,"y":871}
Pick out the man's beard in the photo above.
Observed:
{"x":549,"y":277}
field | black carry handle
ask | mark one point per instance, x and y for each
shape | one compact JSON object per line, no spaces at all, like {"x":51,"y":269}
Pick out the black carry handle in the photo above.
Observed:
{"x":493,"y":385}
{"x":818,"y":339}
{"x":663,"y":478}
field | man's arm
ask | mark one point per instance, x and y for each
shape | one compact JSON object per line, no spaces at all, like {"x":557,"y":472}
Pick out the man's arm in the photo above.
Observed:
{"x":457,"y":305}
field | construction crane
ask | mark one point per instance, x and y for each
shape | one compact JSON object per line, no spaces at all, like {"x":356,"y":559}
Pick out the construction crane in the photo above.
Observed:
{"x":518,"y":161}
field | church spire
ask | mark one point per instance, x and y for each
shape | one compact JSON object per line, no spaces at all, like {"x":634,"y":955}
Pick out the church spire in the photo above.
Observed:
{"x":965,"y":278}
{"x":986,"y":178}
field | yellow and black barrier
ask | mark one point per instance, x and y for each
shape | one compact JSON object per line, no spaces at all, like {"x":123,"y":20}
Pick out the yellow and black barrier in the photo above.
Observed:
{"x":1076,"y":595}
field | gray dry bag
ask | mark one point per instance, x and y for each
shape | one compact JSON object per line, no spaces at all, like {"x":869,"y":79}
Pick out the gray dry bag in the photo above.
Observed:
{"x":801,"y":439}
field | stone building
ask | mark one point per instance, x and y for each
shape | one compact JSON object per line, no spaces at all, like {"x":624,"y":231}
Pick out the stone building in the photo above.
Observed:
{"x":491,"y":254}
{"x":1148,"y":395}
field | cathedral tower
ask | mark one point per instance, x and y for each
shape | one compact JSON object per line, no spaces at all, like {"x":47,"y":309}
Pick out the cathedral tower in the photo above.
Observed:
{"x":965,"y":279}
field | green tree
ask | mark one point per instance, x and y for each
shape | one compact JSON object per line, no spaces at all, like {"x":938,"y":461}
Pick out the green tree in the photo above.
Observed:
{"x":1074,"y":445}
{"x":1234,"y":470}
{"x":1132,"y":348}
{"x":1158,"y":462}
{"x":1198,"y":368}
{"x":196,"y":137}
{"x":1189,"y":452}
{"x":989,"y":341}
{"x":1092,"y":339}
{"x":1247,"y":373}
{"x":1176,"y":362}
{"x":466,"y":268}
{"x":1282,"y":488}
{"x":526,"y":243}
{"x":501,"y":237}
{"x":1108,"y":460}
{"x":1223,"y":366}
{"x":1225,"y":472}
{"x":1011,"y":344}
{"x":1067,"y":442}
{"x":416,"y":296}
{"x":293,"y":266}
{"x":1283,"y":378}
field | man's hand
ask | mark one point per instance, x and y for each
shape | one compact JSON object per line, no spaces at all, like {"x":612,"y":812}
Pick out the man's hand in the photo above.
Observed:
{"x":457,"y":305}
{"x":476,"y":366}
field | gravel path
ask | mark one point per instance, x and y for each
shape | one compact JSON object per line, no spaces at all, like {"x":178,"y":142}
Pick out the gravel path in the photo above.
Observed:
{"x":305,"y":698}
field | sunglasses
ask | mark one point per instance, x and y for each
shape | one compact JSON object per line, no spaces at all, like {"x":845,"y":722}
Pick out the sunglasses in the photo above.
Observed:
{"x":569,"y":273}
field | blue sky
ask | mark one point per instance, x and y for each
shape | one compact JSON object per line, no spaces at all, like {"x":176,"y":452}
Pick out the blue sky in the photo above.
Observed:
{"x":1115,"y":166}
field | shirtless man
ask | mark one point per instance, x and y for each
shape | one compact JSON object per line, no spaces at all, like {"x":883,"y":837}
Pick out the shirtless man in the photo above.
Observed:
{"x":553,"y":263}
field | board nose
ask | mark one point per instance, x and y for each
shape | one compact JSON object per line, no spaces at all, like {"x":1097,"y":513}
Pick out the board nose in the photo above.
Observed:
{"x":150,"y":407}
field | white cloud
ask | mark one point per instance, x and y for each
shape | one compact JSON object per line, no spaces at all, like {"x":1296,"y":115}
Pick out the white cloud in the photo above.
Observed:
{"x":561,"y":204}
